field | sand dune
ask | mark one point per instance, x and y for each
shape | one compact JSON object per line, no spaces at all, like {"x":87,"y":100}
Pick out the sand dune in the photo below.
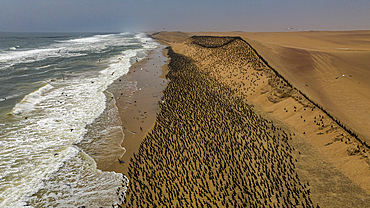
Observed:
{"x":208,"y":148}
{"x":316,"y":58}
{"x":232,"y":131}
{"x":321,"y":57}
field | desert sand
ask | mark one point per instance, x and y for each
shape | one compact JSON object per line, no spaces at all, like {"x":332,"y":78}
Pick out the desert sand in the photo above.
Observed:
{"x":312,"y":62}
{"x":234,"y":131}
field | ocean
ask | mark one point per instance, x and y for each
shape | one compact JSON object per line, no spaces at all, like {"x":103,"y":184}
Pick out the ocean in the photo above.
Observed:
{"x":53,"y":97}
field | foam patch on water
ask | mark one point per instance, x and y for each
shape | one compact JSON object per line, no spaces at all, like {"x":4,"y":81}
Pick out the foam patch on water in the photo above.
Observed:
{"x":79,"y":183}
{"x":28,"y":103}
{"x":93,"y":39}
{"x":11,"y":58}
{"x":148,"y":42}
{"x":14,"y":167}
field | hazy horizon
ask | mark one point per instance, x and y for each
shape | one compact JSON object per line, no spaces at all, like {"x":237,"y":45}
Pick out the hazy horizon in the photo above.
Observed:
{"x":187,"y":16}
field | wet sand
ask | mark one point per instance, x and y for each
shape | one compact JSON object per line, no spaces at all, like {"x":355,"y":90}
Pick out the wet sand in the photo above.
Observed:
{"x":137,"y":95}
{"x":231,"y":131}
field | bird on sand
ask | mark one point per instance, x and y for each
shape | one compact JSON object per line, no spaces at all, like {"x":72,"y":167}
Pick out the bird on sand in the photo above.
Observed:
{"x":162,"y":101}
{"x":343,"y":75}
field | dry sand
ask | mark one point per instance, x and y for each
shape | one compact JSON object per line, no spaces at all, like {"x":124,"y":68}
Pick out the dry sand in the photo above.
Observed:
{"x":311,"y":62}
{"x":234,"y":132}
{"x":316,"y":58}
{"x":317,"y":61}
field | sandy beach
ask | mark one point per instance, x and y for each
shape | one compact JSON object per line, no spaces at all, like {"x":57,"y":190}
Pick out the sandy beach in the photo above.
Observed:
{"x":235,"y":128}
{"x":137,"y":95}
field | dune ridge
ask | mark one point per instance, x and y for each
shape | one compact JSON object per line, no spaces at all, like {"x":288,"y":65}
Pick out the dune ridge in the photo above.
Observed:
{"x":270,"y":90}
{"x":279,"y":76}
{"x":224,"y":137}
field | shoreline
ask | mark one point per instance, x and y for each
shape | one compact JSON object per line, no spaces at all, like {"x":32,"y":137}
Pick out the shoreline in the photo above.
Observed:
{"x":136,"y":95}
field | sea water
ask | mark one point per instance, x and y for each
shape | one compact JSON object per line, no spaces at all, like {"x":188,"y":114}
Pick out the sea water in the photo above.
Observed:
{"x":52,"y":95}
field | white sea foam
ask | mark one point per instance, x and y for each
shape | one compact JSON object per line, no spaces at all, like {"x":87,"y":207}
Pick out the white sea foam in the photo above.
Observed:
{"x":148,"y":42}
{"x":29,"y":102}
{"x":8,"y":59}
{"x":42,"y":67}
{"x":93,"y":39}
{"x":79,"y":183}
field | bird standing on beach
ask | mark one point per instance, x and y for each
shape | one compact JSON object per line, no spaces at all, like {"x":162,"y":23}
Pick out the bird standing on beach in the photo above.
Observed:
{"x":343,"y":75}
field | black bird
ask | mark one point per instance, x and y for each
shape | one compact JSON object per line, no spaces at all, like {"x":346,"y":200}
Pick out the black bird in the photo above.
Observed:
{"x":120,"y":161}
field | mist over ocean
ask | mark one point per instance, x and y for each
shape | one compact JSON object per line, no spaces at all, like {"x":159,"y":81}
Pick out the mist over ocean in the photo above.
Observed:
{"x":53,"y":85}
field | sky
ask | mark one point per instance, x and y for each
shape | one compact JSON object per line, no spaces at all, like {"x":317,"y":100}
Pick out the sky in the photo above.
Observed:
{"x":182,"y":15}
